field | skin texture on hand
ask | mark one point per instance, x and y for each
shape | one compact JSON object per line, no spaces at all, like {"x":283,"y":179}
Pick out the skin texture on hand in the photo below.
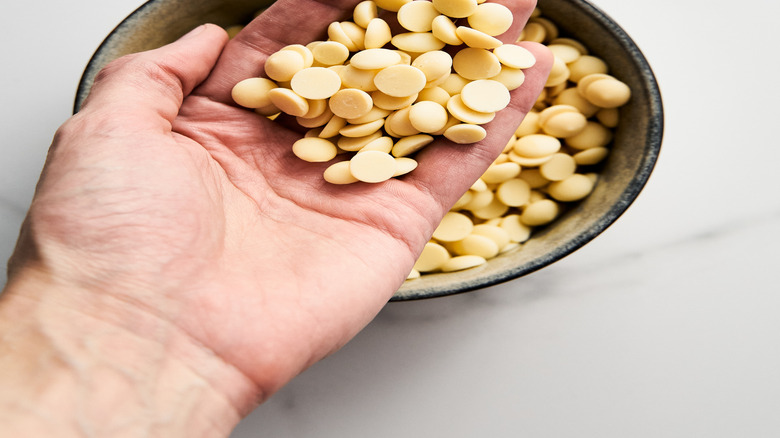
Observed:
{"x":164,"y":197}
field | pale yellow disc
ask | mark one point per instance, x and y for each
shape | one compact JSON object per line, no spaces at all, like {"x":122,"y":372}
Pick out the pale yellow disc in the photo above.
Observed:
{"x":454,"y":84}
{"x":434,"y":94}
{"x":392,"y":103}
{"x":319,"y":120}
{"x":382,"y":143}
{"x":337,"y":33}
{"x":494,"y":232}
{"x":512,"y":78}
{"x":586,"y":65}
{"x":594,"y":135}
{"x":475,"y":244}
{"x":338,"y":173}
{"x":391,"y":5}
{"x":609,"y":117}
{"x":539,"y":213}
{"x":573,"y":188}
{"x":288,"y":101}
{"x":404,"y":165}
{"x":364,"y":12}
{"x":462,"y":201}
{"x":495,"y":209}
{"x":400,"y":80}
{"x":560,"y":167}
{"x":253,"y":92}
{"x":459,"y":110}
{"x":410,"y":144}
{"x":526,"y":162}
{"x":378,"y":34}
{"x":305,"y":52}
{"x":465,"y":133}
{"x":453,"y":227}
{"x":376,"y":113}
{"x":480,"y":200}
{"x":571,"y":42}
{"x":351,"y":103}
{"x":434,"y":65}
{"x":330,"y":53}
{"x":572,"y":97}
{"x":608,"y":93}
{"x":485,"y":96}
{"x":591,"y":156}
{"x":445,"y":30}
{"x":477,"y":39}
{"x":282,"y":65}
{"x":515,"y":56}
{"x":491,"y":18}
{"x":461,"y":263}
{"x":537,"y":146}
{"x":362,"y":130}
{"x":314,"y":149}
{"x":352,"y":77}
{"x":432,"y":257}
{"x":588,"y":80}
{"x":514,"y":192}
{"x":529,"y":125}
{"x":399,"y":124}
{"x":473,"y":64}
{"x":332,"y":128}
{"x":417,"y":16}
{"x":315,"y":83}
{"x":567,"y":53}
{"x":498,"y":173}
{"x":374,"y":59}
{"x":427,"y":116}
{"x":354,"y":144}
{"x":479,"y":185}
{"x":372,"y":166}
{"x":355,"y":33}
{"x":456,"y":8}
{"x":317,"y":107}
{"x":417,"y":42}
{"x":565,"y":124}
{"x":517,"y":230}
{"x":413,"y":275}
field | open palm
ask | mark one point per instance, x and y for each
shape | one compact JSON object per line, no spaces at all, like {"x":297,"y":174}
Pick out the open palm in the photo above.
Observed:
{"x":164,"y":193}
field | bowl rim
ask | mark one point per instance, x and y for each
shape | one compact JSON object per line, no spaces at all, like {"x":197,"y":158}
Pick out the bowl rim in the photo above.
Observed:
{"x":652,"y":147}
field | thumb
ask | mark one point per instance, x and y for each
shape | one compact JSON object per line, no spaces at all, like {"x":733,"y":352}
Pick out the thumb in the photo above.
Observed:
{"x":151,"y":85}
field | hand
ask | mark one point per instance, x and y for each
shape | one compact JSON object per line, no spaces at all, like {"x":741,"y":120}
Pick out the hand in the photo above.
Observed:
{"x":163,"y":201}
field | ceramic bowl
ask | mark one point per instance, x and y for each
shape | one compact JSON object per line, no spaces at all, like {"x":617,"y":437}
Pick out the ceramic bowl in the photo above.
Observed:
{"x":633,"y":153}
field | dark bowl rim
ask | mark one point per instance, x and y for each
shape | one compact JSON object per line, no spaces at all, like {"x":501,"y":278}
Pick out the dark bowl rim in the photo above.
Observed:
{"x":627,"y":198}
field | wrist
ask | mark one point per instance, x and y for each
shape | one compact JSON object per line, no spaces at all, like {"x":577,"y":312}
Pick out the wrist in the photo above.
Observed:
{"x":75,"y":361}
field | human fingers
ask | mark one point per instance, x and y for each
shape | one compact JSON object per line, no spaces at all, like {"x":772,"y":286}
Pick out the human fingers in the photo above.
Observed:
{"x":285,"y":22}
{"x":151,"y":85}
{"x":447,"y":170}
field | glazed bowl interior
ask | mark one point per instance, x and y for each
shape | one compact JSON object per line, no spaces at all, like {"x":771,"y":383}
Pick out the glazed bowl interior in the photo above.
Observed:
{"x":632,"y":157}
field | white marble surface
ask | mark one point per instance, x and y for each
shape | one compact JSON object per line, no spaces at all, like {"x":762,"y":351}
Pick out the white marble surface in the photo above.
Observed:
{"x":665,"y":325}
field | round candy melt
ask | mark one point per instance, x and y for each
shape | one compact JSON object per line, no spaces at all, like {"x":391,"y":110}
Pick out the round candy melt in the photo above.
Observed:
{"x":456,"y":8}
{"x":472,"y":63}
{"x":315,"y":83}
{"x":400,"y":80}
{"x":465,"y":133}
{"x":330,"y":53}
{"x":253,"y":92}
{"x":282,"y":65}
{"x":432,"y":257}
{"x":372,"y":166}
{"x":314,"y":149}
{"x":427,"y":116}
{"x":351,"y":103}
{"x":338,"y":173}
{"x":460,"y":263}
{"x":417,"y":16}
{"x":491,"y":18}
{"x":288,"y":101}
{"x":453,"y":227}
{"x":573,"y":188}
{"x":445,"y":30}
{"x":375,"y":59}
{"x":485,"y":96}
